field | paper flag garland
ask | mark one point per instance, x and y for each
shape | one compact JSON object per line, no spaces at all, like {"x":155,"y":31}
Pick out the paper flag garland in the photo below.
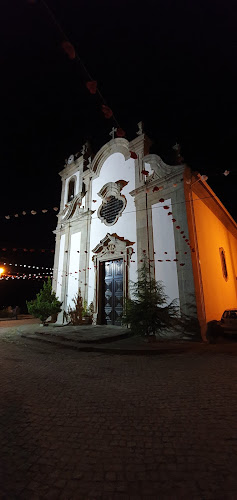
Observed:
{"x":108,"y":113}
{"x":69,"y":49}
{"x":92,"y":86}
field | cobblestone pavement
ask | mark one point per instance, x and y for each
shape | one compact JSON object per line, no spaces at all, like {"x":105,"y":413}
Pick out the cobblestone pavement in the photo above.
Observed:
{"x":86,"y":425}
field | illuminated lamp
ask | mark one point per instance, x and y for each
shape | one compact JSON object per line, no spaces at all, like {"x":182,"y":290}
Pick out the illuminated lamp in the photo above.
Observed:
{"x":2,"y":270}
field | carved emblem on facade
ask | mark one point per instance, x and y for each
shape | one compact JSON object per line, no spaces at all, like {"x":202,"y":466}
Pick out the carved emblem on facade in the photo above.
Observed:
{"x":113,"y":203}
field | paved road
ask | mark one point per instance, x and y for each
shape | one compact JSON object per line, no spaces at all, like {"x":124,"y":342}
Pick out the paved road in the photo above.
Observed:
{"x":84,"y":425}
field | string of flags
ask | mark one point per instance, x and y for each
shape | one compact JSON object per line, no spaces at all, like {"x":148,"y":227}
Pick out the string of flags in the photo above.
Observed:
{"x":90,"y":83}
{"x":28,"y":266}
{"x":34,"y":276}
{"x":31,"y":250}
{"x":29,"y":212}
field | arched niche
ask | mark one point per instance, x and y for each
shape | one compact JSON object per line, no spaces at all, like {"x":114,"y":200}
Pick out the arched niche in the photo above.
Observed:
{"x":71,"y":191}
{"x":118,"y":145}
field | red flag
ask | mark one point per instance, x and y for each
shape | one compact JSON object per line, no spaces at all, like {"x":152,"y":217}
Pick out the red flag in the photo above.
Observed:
{"x":133,"y":155}
{"x":120,"y":132}
{"x":69,"y":49}
{"x":107,"y":111}
{"x":92,"y":86}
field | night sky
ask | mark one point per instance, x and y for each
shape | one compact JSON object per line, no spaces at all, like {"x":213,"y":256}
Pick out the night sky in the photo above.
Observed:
{"x":170,"y":64}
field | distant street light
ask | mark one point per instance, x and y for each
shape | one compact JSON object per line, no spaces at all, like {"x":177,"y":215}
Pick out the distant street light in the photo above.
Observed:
{"x":2,"y":270}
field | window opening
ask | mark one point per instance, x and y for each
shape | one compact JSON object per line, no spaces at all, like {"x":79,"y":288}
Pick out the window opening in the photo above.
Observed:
{"x":71,"y":190}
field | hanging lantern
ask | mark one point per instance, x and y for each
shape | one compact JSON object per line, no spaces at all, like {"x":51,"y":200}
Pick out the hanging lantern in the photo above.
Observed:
{"x":55,"y":209}
{"x":173,"y":220}
{"x":33,"y":212}
{"x":133,"y":155}
{"x":166,"y":207}
{"x":144,"y":172}
{"x":177,"y":227}
{"x":92,"y":86}
{"x":7,"y":216}
{"x":44,"y":210}
{"x":23,"y":213}
{"x":16,"y":215}
{"x":161,"y":200}
{"x":155,"y":188}
{"x":169,"y":213}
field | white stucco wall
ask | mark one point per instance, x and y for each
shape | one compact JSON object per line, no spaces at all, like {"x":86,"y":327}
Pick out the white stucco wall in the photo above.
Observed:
{"x":73,"y":270}
{"x":114,"y":168}
{"x":77,"y":176}
{"x":163,"y":237}
{"x":60,"y":267}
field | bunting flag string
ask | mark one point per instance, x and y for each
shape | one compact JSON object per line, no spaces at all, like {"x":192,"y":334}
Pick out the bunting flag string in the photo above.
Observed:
{"x":91,"y":84}
{"x":29,"y":212}
{"x":23,"y":276}
{"x":28,"y":266}
{"x":31,"y":250}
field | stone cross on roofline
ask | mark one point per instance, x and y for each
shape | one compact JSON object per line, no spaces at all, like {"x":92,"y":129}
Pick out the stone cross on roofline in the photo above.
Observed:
{"x":112,"y":133}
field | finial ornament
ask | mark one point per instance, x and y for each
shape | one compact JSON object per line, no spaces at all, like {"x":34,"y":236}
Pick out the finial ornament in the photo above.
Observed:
{"x":140,"y":128}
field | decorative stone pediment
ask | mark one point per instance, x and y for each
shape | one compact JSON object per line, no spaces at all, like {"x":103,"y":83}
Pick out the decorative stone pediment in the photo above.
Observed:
{"x":113,"y":246}
{"x":160,"y":168}
{"x":73,"y":210}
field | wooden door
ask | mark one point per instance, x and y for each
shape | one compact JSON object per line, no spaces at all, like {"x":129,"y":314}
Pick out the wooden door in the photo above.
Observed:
{"x":113,"y":292}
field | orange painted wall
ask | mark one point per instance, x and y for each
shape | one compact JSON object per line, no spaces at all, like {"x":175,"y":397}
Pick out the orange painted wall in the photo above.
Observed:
{"x":211,"y":235}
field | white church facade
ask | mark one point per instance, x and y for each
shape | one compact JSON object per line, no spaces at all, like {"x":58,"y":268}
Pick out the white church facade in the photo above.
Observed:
{"x":125,"y":204}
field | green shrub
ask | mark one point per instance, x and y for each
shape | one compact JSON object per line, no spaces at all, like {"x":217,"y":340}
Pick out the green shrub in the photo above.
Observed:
{"x":149,"y":312}
{"x":46,"y":303}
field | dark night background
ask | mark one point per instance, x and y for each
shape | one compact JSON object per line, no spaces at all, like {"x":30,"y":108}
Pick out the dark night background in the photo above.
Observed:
{"x":170,"y":64}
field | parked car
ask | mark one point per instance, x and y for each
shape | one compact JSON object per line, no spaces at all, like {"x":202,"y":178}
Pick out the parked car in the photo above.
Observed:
{"x":228,"y":322}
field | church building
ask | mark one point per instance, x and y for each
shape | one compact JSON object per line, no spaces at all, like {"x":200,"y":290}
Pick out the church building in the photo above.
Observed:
{"x":124,"y":205}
